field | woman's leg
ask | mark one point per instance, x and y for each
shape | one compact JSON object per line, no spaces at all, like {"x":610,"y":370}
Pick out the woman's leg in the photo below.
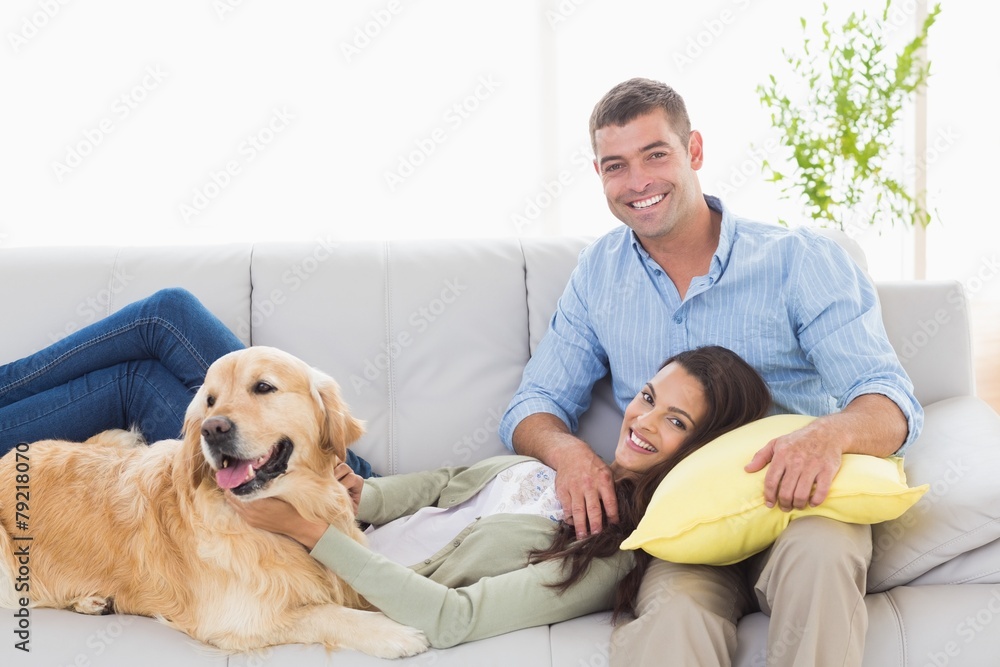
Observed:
{"x":94,"y":380}
{"x":171,"y":327}
{"x":140,"y":394}
{"x":137,"y":367}
{"x":143,"y":394}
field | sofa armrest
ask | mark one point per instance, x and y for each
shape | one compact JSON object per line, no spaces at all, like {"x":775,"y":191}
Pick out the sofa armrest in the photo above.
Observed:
{"x":958,"y":455}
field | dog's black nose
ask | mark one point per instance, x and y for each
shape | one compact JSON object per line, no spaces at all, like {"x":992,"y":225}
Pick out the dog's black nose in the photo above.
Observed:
{"x":215,"y":430}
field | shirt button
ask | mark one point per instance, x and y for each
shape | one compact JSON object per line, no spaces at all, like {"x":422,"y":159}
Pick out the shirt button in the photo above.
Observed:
{"x":678,"y":319}
{"x":457,"y":542}
{"x":427,"y":562}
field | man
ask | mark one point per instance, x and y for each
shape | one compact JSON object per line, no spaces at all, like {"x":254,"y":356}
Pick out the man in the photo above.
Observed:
{"x":792,"y":304}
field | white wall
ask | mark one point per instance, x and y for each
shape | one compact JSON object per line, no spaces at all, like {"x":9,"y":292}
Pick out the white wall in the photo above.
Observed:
{"x":120,"y":118}
{"x":963,"y":150}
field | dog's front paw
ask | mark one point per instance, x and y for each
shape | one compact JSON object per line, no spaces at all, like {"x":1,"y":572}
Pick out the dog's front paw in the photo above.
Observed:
{"x":390,"y":639}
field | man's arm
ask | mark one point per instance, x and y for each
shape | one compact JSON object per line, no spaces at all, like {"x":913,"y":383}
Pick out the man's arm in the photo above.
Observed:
{"x":839,"y":327}
{"x":841,"y":332}
{"x":555,"y":390}
{"x":804,"y":462}
{"x":583,"y":481}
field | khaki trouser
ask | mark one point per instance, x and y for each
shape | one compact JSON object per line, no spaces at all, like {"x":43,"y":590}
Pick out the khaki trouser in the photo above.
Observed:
{"x":811,"y":582}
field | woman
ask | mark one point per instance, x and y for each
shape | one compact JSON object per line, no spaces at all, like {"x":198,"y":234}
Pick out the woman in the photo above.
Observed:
{"x":139,"y":367}
{"x":488,"y":539}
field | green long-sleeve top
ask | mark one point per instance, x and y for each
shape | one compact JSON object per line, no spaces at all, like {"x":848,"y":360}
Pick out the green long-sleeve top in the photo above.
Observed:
{"x":480,"y":584}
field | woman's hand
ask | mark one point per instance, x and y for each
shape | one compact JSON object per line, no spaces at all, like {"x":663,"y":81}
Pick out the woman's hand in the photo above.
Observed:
{"x":276,"y":516}
{"x":352,"y":482}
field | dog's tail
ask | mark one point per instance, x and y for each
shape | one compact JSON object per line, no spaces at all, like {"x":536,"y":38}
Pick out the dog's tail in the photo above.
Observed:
{"x":118,"y":438}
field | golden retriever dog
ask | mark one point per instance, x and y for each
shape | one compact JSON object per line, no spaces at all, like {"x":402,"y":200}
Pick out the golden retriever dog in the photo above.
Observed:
{"x":117,"y":525}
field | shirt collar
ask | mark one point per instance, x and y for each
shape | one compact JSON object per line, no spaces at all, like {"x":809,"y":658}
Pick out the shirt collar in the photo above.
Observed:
{"x":726,"y":234}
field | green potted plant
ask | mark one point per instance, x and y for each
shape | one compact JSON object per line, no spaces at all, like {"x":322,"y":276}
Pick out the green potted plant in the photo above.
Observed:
{"x":841,"y":126}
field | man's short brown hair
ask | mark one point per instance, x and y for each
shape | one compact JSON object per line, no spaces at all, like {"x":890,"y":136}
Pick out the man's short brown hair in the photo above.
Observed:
{"x":637,"y":97}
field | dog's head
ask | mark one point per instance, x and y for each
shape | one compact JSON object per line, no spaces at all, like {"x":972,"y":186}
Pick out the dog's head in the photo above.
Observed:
{"x":261,"y":417}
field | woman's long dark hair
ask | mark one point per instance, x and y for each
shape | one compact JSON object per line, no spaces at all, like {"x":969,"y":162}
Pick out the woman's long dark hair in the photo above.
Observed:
{"x":735,"y":394}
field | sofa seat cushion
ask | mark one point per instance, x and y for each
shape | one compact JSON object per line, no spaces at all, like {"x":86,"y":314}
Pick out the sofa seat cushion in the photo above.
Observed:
{"x":958,"y":455}
{"x":527,"y":648}
{"x":582,"y":641}
{"x":60,"y":637}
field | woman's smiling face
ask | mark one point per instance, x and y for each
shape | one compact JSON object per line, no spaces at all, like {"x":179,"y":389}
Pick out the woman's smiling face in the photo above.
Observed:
{"x":659,"y":419}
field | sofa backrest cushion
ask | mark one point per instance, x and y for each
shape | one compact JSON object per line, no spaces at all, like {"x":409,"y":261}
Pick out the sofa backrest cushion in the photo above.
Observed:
{"x":428,"y":339}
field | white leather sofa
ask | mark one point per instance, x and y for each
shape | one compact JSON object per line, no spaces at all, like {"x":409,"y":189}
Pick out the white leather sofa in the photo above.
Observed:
{"x":428,"y":340}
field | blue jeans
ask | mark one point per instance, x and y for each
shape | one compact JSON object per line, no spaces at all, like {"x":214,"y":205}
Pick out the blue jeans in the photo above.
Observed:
{"x":140,"y":366}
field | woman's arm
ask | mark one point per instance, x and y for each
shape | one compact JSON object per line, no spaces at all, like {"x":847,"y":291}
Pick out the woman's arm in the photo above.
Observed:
{"x":387,"y":498}
{"x":491,"y":606}
{"x":488,"y":607}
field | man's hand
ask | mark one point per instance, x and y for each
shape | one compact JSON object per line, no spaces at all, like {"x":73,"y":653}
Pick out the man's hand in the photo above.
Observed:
{"x":584,"y":483}
{"x":802,"y":466}
{"x":586,"y":490}
{"x":804,"y":463}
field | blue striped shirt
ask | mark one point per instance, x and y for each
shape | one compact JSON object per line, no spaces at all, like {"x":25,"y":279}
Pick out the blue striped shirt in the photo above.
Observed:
{"x":792,"y":303}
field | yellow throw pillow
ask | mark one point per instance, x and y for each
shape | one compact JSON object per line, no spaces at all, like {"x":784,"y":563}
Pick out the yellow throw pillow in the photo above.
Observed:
{"x":709,"y":510}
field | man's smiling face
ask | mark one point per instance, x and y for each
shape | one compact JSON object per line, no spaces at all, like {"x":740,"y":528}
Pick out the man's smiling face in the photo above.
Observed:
{"x":649,"y":175}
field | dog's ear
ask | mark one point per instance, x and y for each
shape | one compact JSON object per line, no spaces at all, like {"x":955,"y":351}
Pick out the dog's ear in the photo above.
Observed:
{"x":193,"y":467}
{"x":338,"y":428}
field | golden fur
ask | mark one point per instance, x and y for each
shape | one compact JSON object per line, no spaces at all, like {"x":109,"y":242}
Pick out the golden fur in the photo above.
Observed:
{"x":149,"y":528}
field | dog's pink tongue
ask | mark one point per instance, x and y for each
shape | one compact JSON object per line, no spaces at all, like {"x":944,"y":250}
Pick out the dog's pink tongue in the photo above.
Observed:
{"x":233,"y":475}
